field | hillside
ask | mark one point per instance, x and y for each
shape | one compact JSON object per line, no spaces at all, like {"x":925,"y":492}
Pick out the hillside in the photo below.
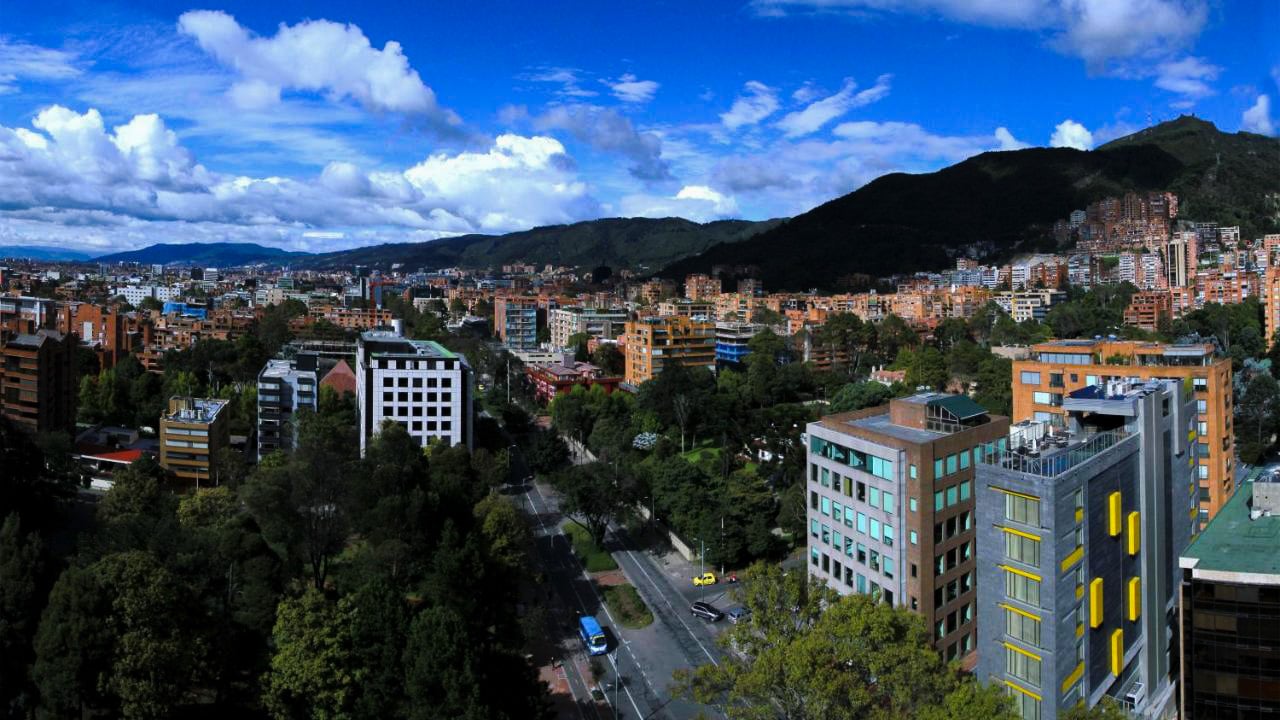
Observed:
{"x":1004,"y":202}
{"x":617,"y":242}
{"x":208,"y":254}
{"x":41,"y":252}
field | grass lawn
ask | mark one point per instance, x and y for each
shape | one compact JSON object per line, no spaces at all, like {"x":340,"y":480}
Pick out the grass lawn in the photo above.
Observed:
{"x":627,"y":607}
{"x":596,"y":559}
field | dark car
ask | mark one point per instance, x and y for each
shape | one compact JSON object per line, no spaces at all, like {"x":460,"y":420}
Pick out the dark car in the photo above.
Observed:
{"x":706,"y":611}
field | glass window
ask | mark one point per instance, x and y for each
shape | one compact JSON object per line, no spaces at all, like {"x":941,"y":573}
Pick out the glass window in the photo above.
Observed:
{"x":937,"y":468}
{"x":837,"y":512}
{"x":1022,"y":510}
{"x":837,"y":540}
{"x":1027,"y":707}
{"x":1022,"y":666}
{"x":826,"y":534}
{"x":875,"y":529}
{"x":888,"y":502}
{"x":1026,"y":629}
{"x":1021,"y":588}
{"x":862,"y":523}
{"x":952,"y":496}
{"x":964,"y":491}
{"x":912,"y":503}
{"x":952,"y":464}
{"x":826,"y":506}
{"x":1042,"y":398}
{"x":875,"y":497}
{"x":1023,"y":549}
{"x":938,"y":500}
{"x":1030,"y":378}
{"x":888,"y":534}
{"x":964,"y":459}
{"x":888,"y":567}
{"x":813,"y":528}
{"x":915,"y":539}
{"x":1202,"y":406}
{"x":913,"y":472}
{"x":848,"y":516}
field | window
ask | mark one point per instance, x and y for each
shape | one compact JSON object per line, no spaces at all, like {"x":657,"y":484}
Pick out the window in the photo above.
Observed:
{"x":813,"y":500}
{"x":1202,"y":406}
{"x":964,"y":459}
{"x":1030,"y":378}
{"x":937,"y":468}
{"x":1027,"y":707}
{"x":938,"y":502}
{"x":888,"y":534}
{"x":1021,"y":588}
{"x":862,"y":523}
{"x":1203,"y":472}
{"x":813,"y":528}
{"x":915,"y":539}
{"x":912,"y":503}
{"x":837,"y":540}
{"x":888,"y":502}
{"x":964,"y":491}
{"x":875,"y":497}
{"x":912,"y":472}
{"x":1021,"y":626}
{"x":951,"y":464}
{"x":1023,"y":549}
{"x":888,"y":567}
{"x":1021,"y":509}
{"x":1022,"y":666}
{"x":826,"y":506}
{"x":848,"y":516}
{"x":1042,"y":398}
{"x":952,"y":495}
{"x":826,"y":534}
{"x":875,"y":529}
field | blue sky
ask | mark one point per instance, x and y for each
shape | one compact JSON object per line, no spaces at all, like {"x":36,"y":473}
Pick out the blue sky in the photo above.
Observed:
{"x":326,"y":125}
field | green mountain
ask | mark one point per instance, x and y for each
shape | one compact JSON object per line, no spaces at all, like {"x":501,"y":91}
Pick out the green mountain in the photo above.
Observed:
{"x":205,"y":254}
{"x":41,"y":252}
{"x":1002,"y":203}
{"x":617,"y":242}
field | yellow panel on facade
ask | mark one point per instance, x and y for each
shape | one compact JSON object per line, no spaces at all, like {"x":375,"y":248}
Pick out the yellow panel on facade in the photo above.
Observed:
{"x":1072,"y":559}
{"x":1135,"y":598}
{"x":1095,"y":603}
{"x":1073,"y":678}
{"x":1134,"y":537}
{"x":1113,"y":514}
{"x":1117,"y":651}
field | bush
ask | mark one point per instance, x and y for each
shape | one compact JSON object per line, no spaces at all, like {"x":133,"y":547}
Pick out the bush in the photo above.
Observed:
{"x":593,"y":556}
{"x":627,"y":606}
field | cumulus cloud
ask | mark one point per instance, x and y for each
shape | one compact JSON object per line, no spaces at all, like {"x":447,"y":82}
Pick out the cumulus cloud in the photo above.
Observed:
{"x":759,"y":102}
{"x":630,"y":89}
{"x":608,"y":130}
{"x":1095,"y":30}
{"x":820,"y":112}
{"x":23,"y":61}
{"x":1071,"y":134}
{"x":1257,"y":119}
{"x":1188,"y":77}
{"x":314,"y":56}
{"x":135,"y":183}
{"x":695,"y":202}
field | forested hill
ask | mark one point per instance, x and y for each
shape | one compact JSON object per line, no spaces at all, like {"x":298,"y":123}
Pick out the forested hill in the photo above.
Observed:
{"x":1006,"y":202}
{"x":617,"y":242}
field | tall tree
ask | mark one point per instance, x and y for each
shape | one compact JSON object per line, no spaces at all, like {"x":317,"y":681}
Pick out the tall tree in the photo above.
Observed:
{"x":20,"y":567}
{"x":312,"y":673}
{"x":73,"y":646}
{"x":590,"y":498}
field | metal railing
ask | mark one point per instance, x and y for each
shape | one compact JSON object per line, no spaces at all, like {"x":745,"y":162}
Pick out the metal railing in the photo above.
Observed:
{"x":1051,"y":461}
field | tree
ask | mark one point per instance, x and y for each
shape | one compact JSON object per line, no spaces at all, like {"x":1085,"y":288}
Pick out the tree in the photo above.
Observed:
{"x":150,"y":304}
{"x":1256,"y":417}
{"x":578,"y":344}
{"x":1107,"y":709}
{"x":312,"y":673}
{"x":20,"y":567}
{"x":859,"y":395}
{"x":546,"y":452}
{"x":590,"y":498}
{"x":928,"y":369}
{"x":442,"y":672}
{"x":73,"y":646}
{"x":812,"y":654}
{"x":379,"y":626}
{"x":608,"y":357}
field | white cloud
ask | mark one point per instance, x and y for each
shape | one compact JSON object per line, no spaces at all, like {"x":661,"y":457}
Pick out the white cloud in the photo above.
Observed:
{"x":1257,"y":119}
{"x":315,"y":56}
{"x":699,"y":203}
{"x":759,"y":102}
{"x":23,"y":61}
{"x":1007,"y":141}
{"x":1188,"y":77}
{"x":610,"y":131}
{"x":1095,"y":30}
{"x":1071,"y":134}
{"x":820,"y":112}
{"x":136,"y":184}
{"x":567,"y":78}
{"x":630,"y":89}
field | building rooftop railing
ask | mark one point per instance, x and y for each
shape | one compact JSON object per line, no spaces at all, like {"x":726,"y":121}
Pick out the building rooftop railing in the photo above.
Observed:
{"x":1055,"y":457}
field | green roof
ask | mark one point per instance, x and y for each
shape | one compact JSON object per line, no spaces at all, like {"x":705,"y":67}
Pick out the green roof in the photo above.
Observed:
{"x":1234,"y":543}
{"x":962,"y":406}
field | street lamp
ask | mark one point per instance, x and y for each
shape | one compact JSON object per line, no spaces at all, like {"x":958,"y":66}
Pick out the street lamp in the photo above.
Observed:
{"x":617,"y":677}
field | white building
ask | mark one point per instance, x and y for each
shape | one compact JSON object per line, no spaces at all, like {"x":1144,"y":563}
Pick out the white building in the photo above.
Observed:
{"x":135,"y":294}
{"x":417,"y":383}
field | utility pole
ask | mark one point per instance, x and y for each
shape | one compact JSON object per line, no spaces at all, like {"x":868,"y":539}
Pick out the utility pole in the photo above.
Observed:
{"x":617,"y":677}
{"x":721,"y":546}
{"x":703,"y":544}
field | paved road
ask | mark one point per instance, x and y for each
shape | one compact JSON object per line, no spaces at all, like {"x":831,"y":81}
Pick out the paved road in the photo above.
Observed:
{"x":647,"y":657}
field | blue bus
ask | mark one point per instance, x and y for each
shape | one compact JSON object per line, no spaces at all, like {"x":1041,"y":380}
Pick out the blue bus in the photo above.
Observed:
{"x":592,"y":636}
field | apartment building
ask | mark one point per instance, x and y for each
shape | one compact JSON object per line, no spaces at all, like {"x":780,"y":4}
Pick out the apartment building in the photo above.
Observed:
{"x":38,"y":388}
{"x":1229,"y":610}
{"x":891,"y":509}
{"x":565,"y":322}
{"x":657,"y":342}
{"x":1271,"y":303}
{"x":191,"y":434}
{"x":733,"y":341}
{"x":687,"y":308}
{"x":1024,"y":305}
{"x":26,"y":314}
{"x":417,"y":383}
{"x":702,"y":287}
{"x":285,"y":386}
{"x":351,"y":318}
{"x":1079,"y":530}
{"x":515,"y":321}
{"x":1059,"y":367}
{"x":1148,"y":310}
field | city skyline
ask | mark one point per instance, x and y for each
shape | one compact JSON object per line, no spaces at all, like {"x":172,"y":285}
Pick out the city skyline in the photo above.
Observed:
{"x":124,"y":125}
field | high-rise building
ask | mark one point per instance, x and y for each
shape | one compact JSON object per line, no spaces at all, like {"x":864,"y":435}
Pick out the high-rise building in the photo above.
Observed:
{"x":566,"y":322}
{"x":191,"y":434}
{"x":891,"y":513}
{"x":702,"y":287}
{"x":515,"y":321}
{"x":417,"y":383}
{"x":285,"y":386}
{"x":1181,"y":257}
{"x":733,"y":341}
{"x":37,"y":380}
{"x":1061,"y":366}
{"x":1229,"y":610}
{"x":1149,"y":310}
{"x":1079,"y":530}
{"x":656,"y":342}
{"x":1271,"y":303}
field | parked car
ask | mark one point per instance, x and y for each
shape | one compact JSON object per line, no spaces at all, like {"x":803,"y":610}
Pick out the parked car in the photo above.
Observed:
{"x":706,"y":611}
{"x":706,"y":578}
{"x":738,"y":614}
